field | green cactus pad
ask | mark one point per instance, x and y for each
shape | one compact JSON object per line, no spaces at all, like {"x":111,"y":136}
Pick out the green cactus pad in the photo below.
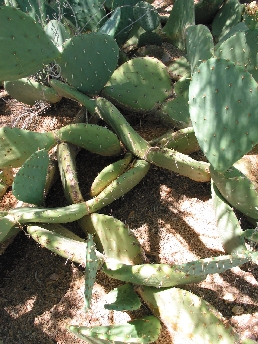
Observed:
{"x":179,"y":67}
{"x":129,"y":137}
{"x":179,"y":163}
{"x":66,"y":155}
{"x":229,"y":228}
{"x":123,"y":298}
{"x":175,"y":112}
{"x":242,"y":49}
{"x":29,"y":182}
{"x":227,"y":17}
{"x":146,"y":15}
{"x":181,"y":16}
{"x":205,"y":10}
{"x":144,"y":330}
{"x":113,"y":238}
{"x":149,"y":38}
{"x":181,"y":87}
{"x":139,"y":84}
{"x":120,"y":186}
{"x":111,"y":25}
{"x":61,"y":244}
{"x":223,"y":116}
{"x":17,"y":145}
{"x":250,"y":16}
{"x":164,"y":275}
{"x":27,"y":47}
{"x":199,"y":45}
{"x":183,"y":141}
{"x":92,"y":137}
{"x":29,"y":91}
{"x":88,"y":61}
{"x":109,"y":174}
{"x":85,"y":15}
{"x":8,"y":228}
{"x":70,"y":92}
{"x":6,"y":180}
{"x":57,"y":32}
{"x":238,"y":190}
{"x":91,"y":268}
{"x":188,"y":318}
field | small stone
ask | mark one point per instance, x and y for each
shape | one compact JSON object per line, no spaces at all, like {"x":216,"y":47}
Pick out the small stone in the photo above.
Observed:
{"x":54,"y":277}
{"x":238,"y":310}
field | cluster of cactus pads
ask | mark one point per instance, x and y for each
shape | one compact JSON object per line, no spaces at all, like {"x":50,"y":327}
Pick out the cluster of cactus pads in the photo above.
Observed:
{"x":208,"y":99}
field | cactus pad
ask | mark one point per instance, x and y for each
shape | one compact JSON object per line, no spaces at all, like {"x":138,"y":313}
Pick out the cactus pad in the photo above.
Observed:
{"x":113,"y":238}
{"x":144,"y":330}
{"x":146,"y":15}
{"x":27,"y":47}
{"x":29,"y":182}
{"x":88,"y":61}
{"x":140,"y":84}
{"x":188,"y":318}
{"x":123,"y":298}
{"x":223,"y":103}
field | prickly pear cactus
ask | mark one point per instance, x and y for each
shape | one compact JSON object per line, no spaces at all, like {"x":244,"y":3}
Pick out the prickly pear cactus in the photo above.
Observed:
{"x":144,"y":330}
{"x":188,"y":318}
{"x":227,"y":223}
{"x":29,"y":91}
{"x":91,"y":267}
{"x":227,"y":17}
{"x":139,"y":84}
{"x":242,"y":49}
{"x":223,"y":103}
{"x":88,"y":61}
{"x":29,"y":182}
{"x":123,"y":298}
{"x":27,"y":46}
{"x":181,"y":16}
{"x":199,"y":45}
{"x":238,"y":190}
{"x":113,"y":238}
{"x":146,"y":15}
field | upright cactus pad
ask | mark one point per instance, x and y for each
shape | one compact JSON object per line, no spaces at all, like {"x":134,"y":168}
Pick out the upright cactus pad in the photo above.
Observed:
{"x":88,"y":61}
{"x":145,"y":330}
{"x":113,"y":238}
{"x":146,"y":15}
{"x":139,"y":84}
{"x":26,"y":45}
{"x":123,"y":298}
{"x":227,"y":17}
{"x":228,"y":226}
{"x":238,"y":190}
{"x":91,"y":267}
{"x":223,"y":105}
{"x":188,"y":318}
{"x":29,"y":182}
{"x":199,"y":45}
{"x":181,"y":16}
{"x":242,"y":49}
